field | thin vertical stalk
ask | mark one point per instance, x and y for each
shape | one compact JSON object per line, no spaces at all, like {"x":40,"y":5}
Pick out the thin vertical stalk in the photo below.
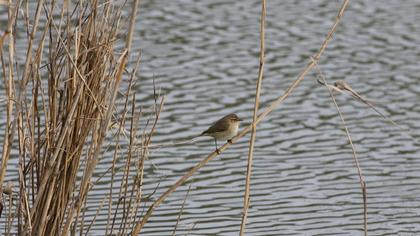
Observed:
{"x":133,"y":129}
{"x":356,"y":161}
{"x":178,"y":219}
{"x":254,"y":126}
{"x":353,"y":148}
{"x":133,"y":17}
{"x":9,"y":127}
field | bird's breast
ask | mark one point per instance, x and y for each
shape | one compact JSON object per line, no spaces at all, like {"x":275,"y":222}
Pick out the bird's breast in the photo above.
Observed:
{"x":227,"y":134}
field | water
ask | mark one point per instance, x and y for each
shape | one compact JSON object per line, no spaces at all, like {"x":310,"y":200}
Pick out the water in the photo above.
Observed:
{"x":204,"y":58}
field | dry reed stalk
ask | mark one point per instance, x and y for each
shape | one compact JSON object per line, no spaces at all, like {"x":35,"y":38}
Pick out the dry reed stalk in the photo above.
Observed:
{"x":139,"y":225}
{"x":138,"y":182}
{"x":9,"y":216}
{"x":353,"y":148}
{"x":94,"y":218}
{"x":254,"y":125}
{"x":10,"y":93}
{"x":181,"y":211}
{"x":135,"y":6}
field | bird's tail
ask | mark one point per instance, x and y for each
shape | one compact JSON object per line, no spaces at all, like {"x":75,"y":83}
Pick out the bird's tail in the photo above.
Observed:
{"x":177,"y":143}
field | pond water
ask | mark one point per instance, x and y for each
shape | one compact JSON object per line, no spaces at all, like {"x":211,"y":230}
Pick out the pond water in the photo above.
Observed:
{"x":203,"y":56}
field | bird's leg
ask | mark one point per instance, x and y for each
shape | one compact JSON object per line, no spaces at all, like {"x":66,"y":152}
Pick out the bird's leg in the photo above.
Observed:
{"x":217,"y":150}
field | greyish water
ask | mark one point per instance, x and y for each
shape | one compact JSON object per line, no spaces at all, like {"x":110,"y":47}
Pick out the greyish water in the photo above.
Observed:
{"x":204,"y":58}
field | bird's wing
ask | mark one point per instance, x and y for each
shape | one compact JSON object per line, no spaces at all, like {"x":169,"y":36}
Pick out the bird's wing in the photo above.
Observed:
{"x":219,"y":126}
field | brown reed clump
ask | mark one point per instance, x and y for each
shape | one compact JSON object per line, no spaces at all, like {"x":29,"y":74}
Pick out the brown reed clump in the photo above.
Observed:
{"x":59,"y":111}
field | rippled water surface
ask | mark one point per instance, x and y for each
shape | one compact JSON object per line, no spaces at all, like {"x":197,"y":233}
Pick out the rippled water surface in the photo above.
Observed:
{"x":204,"y":58}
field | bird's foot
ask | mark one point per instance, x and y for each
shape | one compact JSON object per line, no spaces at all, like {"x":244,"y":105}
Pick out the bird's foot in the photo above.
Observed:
{"x":230,"y":141}
{"x":218,"y":151}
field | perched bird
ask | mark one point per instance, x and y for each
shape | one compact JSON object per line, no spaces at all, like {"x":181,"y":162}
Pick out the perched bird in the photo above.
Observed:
{"x":223,"y":129}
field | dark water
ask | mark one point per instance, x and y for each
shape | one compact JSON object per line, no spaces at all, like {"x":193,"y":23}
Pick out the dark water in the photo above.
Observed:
{"x":204,"y":58}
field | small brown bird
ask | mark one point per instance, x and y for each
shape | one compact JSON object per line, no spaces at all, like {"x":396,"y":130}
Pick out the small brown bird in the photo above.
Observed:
{"x":223,"y":129}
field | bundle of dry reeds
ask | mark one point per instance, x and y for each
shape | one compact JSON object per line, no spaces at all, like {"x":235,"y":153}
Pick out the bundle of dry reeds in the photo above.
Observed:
{"x":60,"y":103}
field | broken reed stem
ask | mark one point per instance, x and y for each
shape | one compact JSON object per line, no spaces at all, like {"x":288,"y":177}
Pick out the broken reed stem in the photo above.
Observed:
{"x":254,"y":125}
{"x":356,"y":161}
{"x":244,"y":131}
{"x":353,"y":148}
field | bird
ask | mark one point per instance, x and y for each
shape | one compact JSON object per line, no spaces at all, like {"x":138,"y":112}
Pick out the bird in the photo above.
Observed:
{"x":224,"y":129}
